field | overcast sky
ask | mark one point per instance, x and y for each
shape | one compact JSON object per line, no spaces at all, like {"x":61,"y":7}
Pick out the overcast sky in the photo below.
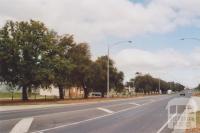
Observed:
{"x":155,"y":26}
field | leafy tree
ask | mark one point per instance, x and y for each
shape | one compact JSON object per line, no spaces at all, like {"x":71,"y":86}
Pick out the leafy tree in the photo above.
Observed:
{"x":198,"y":88}
{"x":22,"y":46}
{"x":130,"y":83}
{"x":148,"y":84}
{"x":80,"y":56}
{"x":144,"y":84}
{"x":100,"y":76}
{"x":61,"y":64}
{"x":117,"y":78}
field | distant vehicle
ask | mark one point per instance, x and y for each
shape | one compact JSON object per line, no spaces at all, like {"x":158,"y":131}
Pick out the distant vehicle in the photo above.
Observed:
{"x":169,"y":91}
{"x":190,"y":91}
{"x":182,"y":94}
{"x":95,"y":94}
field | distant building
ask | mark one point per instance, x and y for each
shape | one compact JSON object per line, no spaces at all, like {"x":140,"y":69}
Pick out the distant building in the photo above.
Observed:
{"x":51,"y":91}
{"x":73,"y":92}
{"x":3,"y":88}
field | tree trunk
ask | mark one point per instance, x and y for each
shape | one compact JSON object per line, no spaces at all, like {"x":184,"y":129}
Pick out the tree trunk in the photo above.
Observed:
{"x":61,"y":93}
{"x":102,"y":94}
{"x":85,"y":92}
{"x":24,"y":93}
{"x":85,"y":89}
{"x":29,"y":92}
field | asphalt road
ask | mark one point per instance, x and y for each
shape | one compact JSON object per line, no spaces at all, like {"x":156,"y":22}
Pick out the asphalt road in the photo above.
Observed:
{"x":138,"y":115}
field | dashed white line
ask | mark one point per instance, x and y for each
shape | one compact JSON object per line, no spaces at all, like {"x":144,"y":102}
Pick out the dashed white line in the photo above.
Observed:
{"x":22,"y":126}
{"x":87,"y":120}
{"x":135,"y":104}
{"x":105,"y":110}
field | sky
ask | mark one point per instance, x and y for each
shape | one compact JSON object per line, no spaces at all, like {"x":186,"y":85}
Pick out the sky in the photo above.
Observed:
{"x":154,"y":26}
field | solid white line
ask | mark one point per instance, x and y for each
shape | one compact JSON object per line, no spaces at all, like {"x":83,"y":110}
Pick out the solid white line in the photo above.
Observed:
{"x":160,"y":130}
{"x":75,"y":123}
{"x":22,"y":126}
{"x":105,"y":110}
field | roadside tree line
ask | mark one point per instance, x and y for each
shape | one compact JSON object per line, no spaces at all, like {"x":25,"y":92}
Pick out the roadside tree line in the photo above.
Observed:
{"x":147,"y":84}
{"x":197,"y":88}
{"x":33,"y":56}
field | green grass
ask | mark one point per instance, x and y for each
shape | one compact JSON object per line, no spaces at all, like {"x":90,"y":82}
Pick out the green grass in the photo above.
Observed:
{"x":9,"y":95}
{"x":17,"y":95}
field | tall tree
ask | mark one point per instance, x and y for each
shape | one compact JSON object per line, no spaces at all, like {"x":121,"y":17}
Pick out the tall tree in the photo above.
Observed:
{"x":61,"y":64}
{"x":100,"y":79}
{"x":80,"y":56}
{"x":22,"y":46}
{"x":147,"y":84}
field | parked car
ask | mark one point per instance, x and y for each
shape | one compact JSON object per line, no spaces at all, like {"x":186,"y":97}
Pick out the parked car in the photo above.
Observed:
{"x":190,"y":91}
{"x":95,"y":94}
{"x":182,"y":94}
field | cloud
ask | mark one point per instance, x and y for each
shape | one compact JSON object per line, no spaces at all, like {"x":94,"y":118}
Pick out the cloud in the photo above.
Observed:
{"x":95,"y":21}
{"x":167,"y":63}
{"x":92,"y":20}
{"x":146,"y":60}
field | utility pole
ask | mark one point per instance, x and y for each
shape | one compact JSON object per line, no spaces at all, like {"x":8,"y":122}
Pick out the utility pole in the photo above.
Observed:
{"x":108,"y":71}
{"x":108,"y":64}
{"x":159,"y":85}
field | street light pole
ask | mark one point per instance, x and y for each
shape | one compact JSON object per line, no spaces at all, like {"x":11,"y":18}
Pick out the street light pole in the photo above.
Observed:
{"x":159,"y":86}
{"x":108,"y":71}
{"x":108,"y":64}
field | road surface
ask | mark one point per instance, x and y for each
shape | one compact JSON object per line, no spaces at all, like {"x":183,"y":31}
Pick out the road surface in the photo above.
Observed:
{"x":138,"y":115}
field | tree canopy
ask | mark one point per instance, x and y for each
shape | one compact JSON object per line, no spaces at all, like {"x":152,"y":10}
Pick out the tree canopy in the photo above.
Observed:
{"x":33,"y":56}
{"x":24,"y":47}
{"x":148,"y":84}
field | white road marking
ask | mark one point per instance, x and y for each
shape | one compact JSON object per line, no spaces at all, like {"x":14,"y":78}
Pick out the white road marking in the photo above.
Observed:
{"x":99,"y":117}
{"x":135,"y":104}
{"x":92,"y":108}
{"x":79,"y":122}
{"x":105,"y":110}
{"x":160,"y":130}
{"x":22,"y":126}
{"x":5,"y":111}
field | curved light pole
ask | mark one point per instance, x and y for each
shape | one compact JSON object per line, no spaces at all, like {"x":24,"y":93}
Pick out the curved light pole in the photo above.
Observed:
{"x":108,"y":63}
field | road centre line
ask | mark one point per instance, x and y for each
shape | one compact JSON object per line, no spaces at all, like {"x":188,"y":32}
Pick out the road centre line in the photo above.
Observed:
{"x":99,"y":117}
{"x":79,"y":122}
{"x":74,"y":104}
{"x":72,"y":111}
{"x":22,"y":126}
